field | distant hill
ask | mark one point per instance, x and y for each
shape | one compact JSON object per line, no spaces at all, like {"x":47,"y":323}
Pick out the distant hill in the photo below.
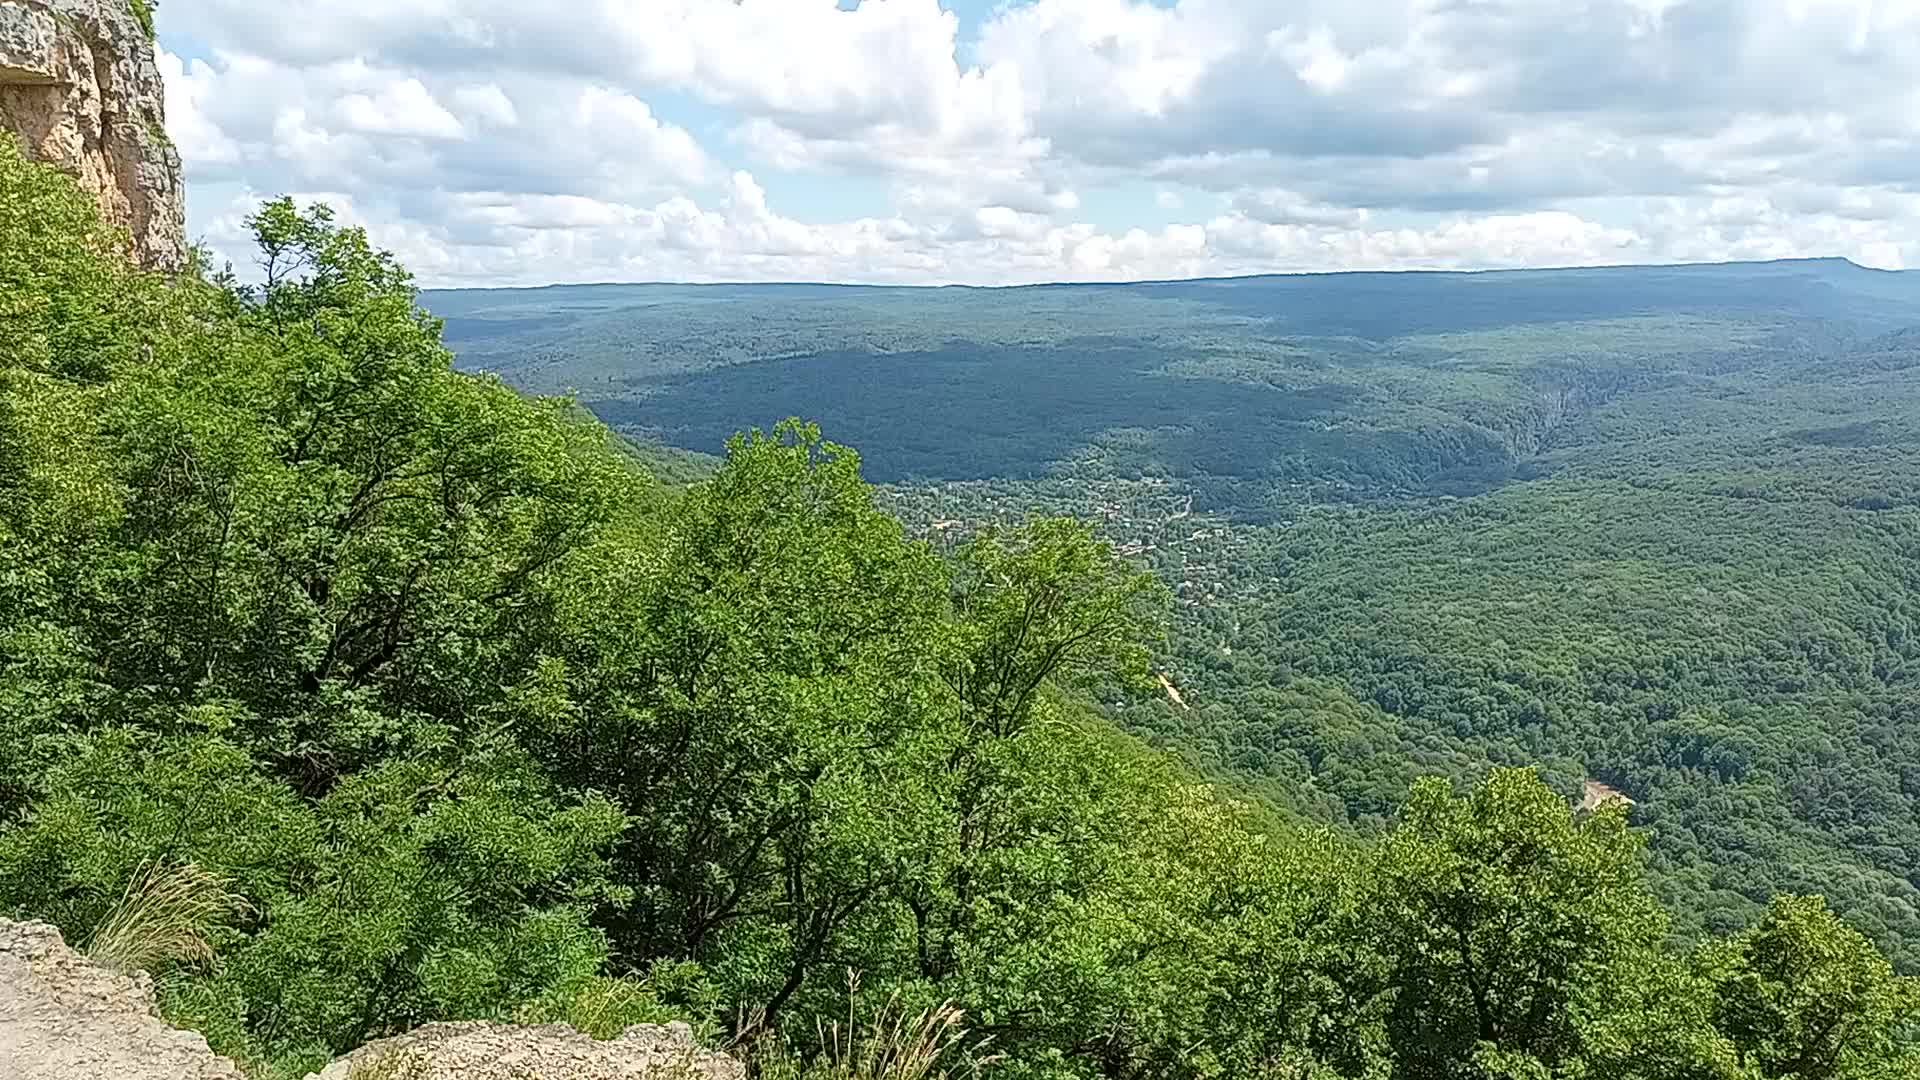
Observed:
{"x":1656,"y":529}
{"x":1369,"y":383}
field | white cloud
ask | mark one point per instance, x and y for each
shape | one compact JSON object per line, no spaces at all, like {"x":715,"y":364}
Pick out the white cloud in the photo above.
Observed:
{"x":1275,"y":206}
{"x":198,"y":138}
{"x":626,"y":130}
{"x":486,"y":104}
{"x":497,"y":140}
{"x":403,"y":107}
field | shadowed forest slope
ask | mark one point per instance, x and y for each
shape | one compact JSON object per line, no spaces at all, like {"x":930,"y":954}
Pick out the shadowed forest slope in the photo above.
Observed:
{"x":1653,"y":526}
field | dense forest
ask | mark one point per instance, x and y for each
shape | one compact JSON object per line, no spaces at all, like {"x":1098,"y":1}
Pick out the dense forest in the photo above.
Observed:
{"x":343,"y":691}
{"x":1653,"y":529}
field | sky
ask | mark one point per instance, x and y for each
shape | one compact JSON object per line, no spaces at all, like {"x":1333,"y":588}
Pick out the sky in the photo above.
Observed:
{"x":526,"y":142}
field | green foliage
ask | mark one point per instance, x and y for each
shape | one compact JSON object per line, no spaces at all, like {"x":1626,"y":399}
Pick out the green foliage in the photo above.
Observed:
{"x":1048,"y":602}
{"x":1505,"y":922}
{"x":1648,"y":527}
{"x":1736,"y":665}
{"x":68,"y":305}
{"x":143,"y":11}
{"x":120,"y":800}
{"x":482,"y":722}
{"x":1804,"y":996}
{"x":411,"y":892}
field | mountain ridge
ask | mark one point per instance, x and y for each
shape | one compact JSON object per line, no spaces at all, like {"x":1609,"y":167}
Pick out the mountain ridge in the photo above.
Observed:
{"x":1817,"y":261}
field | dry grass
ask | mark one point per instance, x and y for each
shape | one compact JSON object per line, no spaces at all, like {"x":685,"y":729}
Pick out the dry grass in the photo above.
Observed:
{"x":163,"y":918}
{"x":896,"y":1044}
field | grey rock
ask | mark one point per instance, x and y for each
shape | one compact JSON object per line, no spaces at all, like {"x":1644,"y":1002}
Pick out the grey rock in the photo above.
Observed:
{"x":63,"y":1018}
{"x":483,"y":1051}
{"x":27,"y":37}
{"x":80,"y":89}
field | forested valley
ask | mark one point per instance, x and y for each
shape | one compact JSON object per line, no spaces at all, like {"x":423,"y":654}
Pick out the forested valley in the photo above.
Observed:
{"x":342,"y":690}
{"x":1650,"y":529}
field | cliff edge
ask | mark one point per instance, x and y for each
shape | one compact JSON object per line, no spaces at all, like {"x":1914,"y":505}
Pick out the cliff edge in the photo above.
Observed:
{"x":79,"y":87}
{"x":62,"y":1018}
{"x":481,"y":1051}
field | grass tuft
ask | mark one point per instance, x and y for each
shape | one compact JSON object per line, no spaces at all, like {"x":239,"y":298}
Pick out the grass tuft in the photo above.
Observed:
{"x":163,"y":918}
{"x":896,"y":1044}
{"x":602,"y":1007}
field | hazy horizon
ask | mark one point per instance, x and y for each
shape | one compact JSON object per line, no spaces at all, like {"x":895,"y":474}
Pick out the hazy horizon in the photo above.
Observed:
{"x":932,"y":286}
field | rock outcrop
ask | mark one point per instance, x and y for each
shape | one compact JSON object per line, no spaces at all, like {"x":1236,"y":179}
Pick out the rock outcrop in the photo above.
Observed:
{"x":79,"y":87}
{"x":62,"y":1018}
{"x":480,"y":1051}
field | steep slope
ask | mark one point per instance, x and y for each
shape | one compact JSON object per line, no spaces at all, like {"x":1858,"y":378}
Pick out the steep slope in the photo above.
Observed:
{"x":1649,"y":527}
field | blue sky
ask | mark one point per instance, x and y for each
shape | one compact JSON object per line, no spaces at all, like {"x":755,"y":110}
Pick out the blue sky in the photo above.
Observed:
{"x":495,"y":141}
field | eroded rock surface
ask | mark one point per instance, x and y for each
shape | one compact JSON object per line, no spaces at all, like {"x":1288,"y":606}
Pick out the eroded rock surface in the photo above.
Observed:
{"x":79,"y":87}
{"x":62,"y":1018}
{"x":480,"y":1051}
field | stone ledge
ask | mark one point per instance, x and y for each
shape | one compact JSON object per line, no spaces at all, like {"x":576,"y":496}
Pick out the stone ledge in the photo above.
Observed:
{"x":27,"y":39}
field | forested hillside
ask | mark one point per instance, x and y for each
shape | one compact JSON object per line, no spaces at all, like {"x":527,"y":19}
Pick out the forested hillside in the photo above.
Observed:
{"x":1656,"y":529}
{"x":342,"y":691}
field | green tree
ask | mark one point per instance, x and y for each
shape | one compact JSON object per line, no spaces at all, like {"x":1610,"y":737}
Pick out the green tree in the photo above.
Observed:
{"x":414,"y":891}
{"x":751,"y":680}
{"x":1043,"y":603}
{"x":295,"y":503}
{"x":1507,"y":924}
{"x":483,"y":723}
{"x":258,"y":536}
{"x":1046,"y":603}
{"x":1804,"y":996}
{"x":70,"y":303}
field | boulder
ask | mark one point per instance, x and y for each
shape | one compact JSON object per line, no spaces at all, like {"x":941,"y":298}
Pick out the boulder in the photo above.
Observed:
{"x":484,"y":1051}
{"x":63,"y":1018}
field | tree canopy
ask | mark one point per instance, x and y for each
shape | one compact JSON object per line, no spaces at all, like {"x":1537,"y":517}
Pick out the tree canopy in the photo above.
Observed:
{"x":470,"y":717}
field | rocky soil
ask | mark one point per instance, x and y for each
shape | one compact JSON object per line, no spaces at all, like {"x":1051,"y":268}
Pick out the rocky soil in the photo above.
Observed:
{"x":62,"y":1018}
{"x":477,"y":1051}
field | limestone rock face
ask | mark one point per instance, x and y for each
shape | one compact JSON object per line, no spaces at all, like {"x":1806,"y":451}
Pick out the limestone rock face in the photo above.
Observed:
{"x":62,"y":1018}
{"x":482,"y":1051}
{"x":79,"y":87}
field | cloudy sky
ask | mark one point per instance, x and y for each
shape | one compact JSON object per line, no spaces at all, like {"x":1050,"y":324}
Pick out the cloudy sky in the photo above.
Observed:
{"x":984,"y":141}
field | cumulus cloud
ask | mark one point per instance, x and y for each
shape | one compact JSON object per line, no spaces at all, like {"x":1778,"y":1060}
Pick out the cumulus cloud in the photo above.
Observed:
{"x":401,"y":107}
{"x":896,"y":140}
{"x":486,"y":104}
{"x":1273,"y":206}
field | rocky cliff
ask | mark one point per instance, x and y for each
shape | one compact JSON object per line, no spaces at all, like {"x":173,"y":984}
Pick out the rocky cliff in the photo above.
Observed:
{"x":78,"y":85}
{"x":62,"y":1018}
